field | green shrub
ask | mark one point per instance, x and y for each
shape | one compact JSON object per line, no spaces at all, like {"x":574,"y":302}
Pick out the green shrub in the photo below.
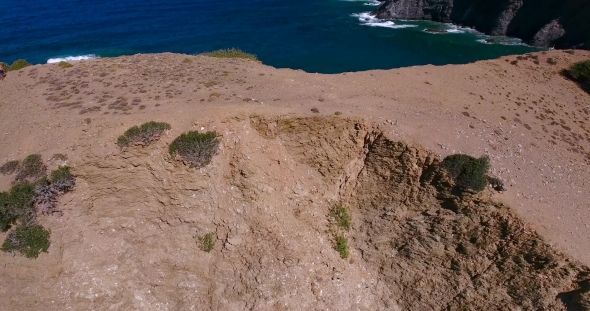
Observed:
{"x":9,"y":167}
{"x":231,"y":53}
{"x":342,"y":246}
{"x":64,"y":64}
{"x":207,"y":242}
{"x":580,"y":73}
{"x":468,"y":172}
{"x":31,"y":170}
{"x":341,"y":216}
{"x":7,"y":218}
{"x":16,"y":205}
{"x":195,"y":148}
{"x":143,"y":135}
{"x":19,"y":64}
{"x":27,"y":240}
{"x":62,"y":174}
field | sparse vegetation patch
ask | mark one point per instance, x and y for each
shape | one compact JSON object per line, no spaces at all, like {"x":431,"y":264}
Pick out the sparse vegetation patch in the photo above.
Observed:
{"x":468,"y":172}
{"x":195,"y":148}
{"x":231,"y":53}
{"x":341,"y":216}
{"x":342,"y":246}
{"x":32,"y":193}
{"x":143,"y":135}
{"x":59,"y":157}
{"x":341,"y":220}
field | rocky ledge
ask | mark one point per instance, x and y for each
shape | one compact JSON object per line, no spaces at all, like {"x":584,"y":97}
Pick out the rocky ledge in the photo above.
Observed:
{"x":556,"y":23}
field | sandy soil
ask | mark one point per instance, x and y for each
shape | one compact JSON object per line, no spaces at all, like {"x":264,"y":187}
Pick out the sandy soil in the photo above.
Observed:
{"x":533,"y":123}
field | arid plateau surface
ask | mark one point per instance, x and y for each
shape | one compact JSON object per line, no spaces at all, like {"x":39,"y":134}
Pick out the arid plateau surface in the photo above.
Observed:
{"x":292,"y":146}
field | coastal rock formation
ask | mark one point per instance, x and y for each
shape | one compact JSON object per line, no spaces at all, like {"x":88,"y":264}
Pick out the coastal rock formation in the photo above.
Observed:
{"x":563,"y":24}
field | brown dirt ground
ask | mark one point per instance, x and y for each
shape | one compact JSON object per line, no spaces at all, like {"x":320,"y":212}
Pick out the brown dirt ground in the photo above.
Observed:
{"x":127,"y":238}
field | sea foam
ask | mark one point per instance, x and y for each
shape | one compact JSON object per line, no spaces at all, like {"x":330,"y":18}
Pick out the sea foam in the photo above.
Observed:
{"x":369,"y":20}
{"x":449,"y":29}
{"x":501,"y":41}
{"x":372,"y":3}
{"x":71,"y":58}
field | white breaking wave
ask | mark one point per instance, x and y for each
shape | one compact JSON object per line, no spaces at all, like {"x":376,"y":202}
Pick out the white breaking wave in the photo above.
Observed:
{"x":484,"y":41}
{"x":71,"y":58}
{"x":501,"y":41}
{"x":372,"y":3}
{"x":455,"y":29}
{"x":448,"y":29}
{"x":369,"y":20}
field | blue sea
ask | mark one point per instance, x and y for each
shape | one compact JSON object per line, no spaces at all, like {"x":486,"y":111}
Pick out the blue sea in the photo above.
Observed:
{"x":326,"y":36}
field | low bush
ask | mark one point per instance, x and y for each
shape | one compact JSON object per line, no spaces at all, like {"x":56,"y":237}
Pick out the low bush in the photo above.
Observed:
{"x":143,"y":135}
{"x":207,"y":242}
{"x":31,"y":170}
{"x":29,"y":240}
{"x":9,"y":167}
{"x":46,"y":194}
{"x":17,"y":205}
{"x":6,"y":217}
{"x":580,"y":73}
{"x":341,"y":216}
{"x":231,"y":53}
{"x":468,"y":172}
{"x":64,"y":64}
{"x":62,"y":175}
{"x":342,"y":246}
{"x":19,"y":64}
{"x":195,"y":148}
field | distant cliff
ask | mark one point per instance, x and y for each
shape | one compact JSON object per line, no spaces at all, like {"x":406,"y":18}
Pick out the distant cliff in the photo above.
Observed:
{"x":559,"y":23}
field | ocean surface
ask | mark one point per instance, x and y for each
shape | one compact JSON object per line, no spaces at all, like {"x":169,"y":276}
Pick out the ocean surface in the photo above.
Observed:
{"x":327,"y":36}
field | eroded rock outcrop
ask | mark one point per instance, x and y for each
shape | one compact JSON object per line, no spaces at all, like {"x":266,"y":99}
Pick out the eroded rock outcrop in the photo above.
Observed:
{"x":130,"y":237}
{"x":562,"y":24}
{"x":438,"y":250}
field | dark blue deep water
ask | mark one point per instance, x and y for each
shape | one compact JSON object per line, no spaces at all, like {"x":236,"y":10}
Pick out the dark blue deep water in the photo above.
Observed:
{"x":326,"y":36}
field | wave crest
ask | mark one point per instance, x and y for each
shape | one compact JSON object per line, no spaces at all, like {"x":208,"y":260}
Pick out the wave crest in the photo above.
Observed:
{"x":71,"y":58}
{"x":369,"y":20}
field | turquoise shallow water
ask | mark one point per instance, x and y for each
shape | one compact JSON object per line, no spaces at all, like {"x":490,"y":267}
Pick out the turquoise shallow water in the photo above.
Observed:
{"x":327,"y":36}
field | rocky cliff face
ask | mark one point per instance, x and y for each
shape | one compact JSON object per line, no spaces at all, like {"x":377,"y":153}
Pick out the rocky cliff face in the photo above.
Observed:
{"x":558,"y":23}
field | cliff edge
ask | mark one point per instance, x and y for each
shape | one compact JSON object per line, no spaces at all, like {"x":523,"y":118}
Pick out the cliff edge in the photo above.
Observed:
{"x":562,"y":24}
